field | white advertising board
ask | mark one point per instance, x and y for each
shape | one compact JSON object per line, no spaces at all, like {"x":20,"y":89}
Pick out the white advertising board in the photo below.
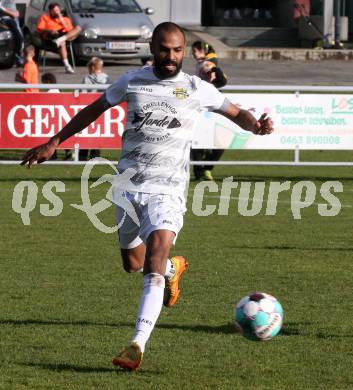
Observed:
{"x":307,"y":121}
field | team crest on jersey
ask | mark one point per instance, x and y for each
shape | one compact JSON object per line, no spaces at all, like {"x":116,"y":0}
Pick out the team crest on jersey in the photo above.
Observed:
{"x":181,"y":93}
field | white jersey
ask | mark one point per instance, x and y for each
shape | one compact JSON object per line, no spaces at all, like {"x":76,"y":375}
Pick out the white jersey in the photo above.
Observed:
{"x":159,"y":128}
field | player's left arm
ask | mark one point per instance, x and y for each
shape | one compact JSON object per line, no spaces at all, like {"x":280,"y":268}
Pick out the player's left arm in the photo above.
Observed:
{"x":245,"y":119}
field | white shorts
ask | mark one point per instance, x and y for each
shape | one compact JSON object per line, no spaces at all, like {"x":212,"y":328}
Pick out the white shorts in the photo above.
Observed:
{"x":138,"y":214}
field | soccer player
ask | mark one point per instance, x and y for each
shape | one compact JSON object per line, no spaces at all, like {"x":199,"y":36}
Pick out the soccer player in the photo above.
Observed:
{"x":163,"y":103}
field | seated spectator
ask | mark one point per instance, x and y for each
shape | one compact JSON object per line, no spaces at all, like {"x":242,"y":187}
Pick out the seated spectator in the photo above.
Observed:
{"x":55,"y":29}
{"x":95,"y":76}
{"x":9,"y":16}
{"x":30,"y":69}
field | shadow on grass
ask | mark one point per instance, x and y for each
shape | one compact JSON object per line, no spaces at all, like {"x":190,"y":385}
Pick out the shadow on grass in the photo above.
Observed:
{"x":289,"y":248}
{"x":322,"y":335}
{"x":220,"y":329}
{"x":69,"y":367}
{"x":87,"y":370}
{"x":25,"y":322}
{"x":296,"y":328}
{"x":299,"y":328}
{"x":226,"y":328}
{"x":307,"y":328}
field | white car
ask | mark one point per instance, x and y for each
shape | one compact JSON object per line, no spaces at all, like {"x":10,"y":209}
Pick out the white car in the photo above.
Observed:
{"x":7,"y":47}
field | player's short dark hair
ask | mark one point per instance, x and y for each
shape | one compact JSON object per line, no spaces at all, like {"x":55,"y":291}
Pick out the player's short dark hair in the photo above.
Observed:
{"x":53,"y":5}
{"x":166,"y":27}
{"x":48,"y":78}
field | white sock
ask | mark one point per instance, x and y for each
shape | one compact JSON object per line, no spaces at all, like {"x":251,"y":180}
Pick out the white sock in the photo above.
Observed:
{"x":169,"y":270}
{"x":149,"y":309}
{"x":66,"y":62}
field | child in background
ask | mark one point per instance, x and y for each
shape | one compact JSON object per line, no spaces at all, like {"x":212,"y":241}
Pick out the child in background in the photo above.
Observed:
{"x":207,"y":64}
{"x":95,"y":72}
{"x":50,"y":78}
{"x":30,"y":69}
{"x":95,"y":76}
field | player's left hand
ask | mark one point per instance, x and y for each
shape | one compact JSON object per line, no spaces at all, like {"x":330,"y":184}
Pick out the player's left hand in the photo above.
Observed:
{"x":264,"y":125}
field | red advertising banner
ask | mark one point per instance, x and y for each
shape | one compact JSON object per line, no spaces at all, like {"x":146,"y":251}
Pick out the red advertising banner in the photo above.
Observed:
{"x":29,"y":119}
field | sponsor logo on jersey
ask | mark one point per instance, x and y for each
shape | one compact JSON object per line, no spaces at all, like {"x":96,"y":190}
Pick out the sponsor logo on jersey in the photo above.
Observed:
{"x":155,"y":121}
{"x":180,"y":93}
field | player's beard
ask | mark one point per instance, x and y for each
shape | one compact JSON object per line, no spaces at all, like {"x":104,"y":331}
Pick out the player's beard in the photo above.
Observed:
{"x":163,"y":72}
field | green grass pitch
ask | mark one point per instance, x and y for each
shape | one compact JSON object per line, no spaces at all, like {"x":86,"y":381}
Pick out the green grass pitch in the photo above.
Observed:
{"x":67,"y":307}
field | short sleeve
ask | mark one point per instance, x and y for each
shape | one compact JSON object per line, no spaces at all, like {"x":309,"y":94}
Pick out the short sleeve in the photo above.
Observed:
{"x":68,"y":24}
{"x":210,"y":98}
{"x":41,"y":23}
{"x":116,"y":93}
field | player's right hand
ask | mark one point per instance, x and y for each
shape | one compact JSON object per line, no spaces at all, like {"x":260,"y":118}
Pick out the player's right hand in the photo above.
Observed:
{"x":38,"y":154}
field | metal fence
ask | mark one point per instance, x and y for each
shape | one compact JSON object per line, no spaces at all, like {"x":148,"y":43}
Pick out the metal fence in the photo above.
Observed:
{"x":296,"y":89}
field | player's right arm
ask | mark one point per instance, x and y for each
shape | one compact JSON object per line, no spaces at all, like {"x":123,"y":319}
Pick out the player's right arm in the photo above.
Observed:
{"x":79,"y":122}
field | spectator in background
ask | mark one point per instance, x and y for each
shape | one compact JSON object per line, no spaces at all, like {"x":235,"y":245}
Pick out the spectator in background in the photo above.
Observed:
{"x":55,"y":29}
{"x":95,"y":76}
{"x":202,"y":51}
{"x":30,"y":69}
{"x":208,"y":70}
{"x":50,"y":78}
{"x":95,"y":72}
{"x":9,"y":16}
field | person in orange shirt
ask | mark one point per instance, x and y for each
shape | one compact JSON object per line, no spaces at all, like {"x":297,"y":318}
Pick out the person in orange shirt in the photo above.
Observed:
{"x":30,"y":69}
{"x":55,"y":29}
